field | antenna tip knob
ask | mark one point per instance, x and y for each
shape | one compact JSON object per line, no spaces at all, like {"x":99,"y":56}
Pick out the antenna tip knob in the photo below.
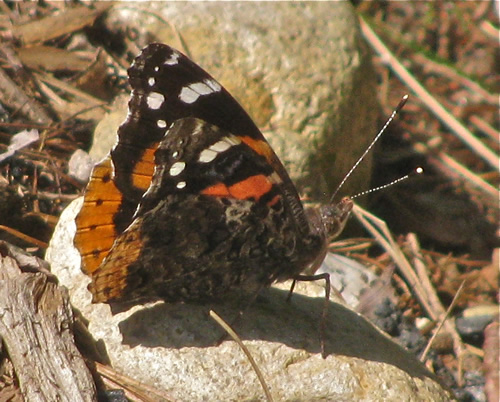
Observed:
{"x":401,"y":103}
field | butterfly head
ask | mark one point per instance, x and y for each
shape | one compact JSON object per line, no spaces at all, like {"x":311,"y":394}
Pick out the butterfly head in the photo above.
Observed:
{"x":334,"y":216}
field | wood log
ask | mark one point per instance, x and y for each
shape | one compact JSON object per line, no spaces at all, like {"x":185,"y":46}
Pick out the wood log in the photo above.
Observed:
{"x":36,"y":328}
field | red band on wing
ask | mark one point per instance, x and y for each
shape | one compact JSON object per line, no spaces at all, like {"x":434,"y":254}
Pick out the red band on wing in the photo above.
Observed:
{"x":217,"y":190}
{"x":252,"y":187}
{"x":274,"y":200}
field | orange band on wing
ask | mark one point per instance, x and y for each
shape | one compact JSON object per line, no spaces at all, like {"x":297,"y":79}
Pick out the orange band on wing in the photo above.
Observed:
{"x":95,"y":229}
{"x":143,"y":170}
{"x":252,"y":187}
{"x":259,"y":146}
{"x":109,"y":281}
{"x":217,"y":190}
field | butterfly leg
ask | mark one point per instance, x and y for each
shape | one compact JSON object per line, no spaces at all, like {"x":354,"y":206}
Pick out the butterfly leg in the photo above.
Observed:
{"x":322,"y":325}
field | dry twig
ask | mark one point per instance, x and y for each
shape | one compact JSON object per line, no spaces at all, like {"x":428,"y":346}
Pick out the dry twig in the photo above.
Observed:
{"x":134,"y":390}
{"x":423,"y":356}
{"x":381,"y":233}
{"x":254,"y":365}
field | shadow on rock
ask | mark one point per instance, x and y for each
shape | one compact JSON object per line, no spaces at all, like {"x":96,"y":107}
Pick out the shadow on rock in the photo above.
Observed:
{"x":271,"y":319}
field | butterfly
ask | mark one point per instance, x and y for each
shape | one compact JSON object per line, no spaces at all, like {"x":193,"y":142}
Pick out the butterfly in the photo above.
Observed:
{"x":192,"y":203}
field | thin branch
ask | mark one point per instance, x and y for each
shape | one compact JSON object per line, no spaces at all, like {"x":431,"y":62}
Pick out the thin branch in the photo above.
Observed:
{"x":433,"y":297}
{"x":24,"y":237}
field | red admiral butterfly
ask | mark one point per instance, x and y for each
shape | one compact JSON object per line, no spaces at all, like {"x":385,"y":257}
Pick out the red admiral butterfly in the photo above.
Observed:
{"x":192,"y":202}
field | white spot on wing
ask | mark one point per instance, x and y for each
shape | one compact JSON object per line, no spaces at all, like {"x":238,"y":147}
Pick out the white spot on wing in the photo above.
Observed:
{"x":155,"y":100}
{"x":233,"y":140}
{"x":181,"y":185}
{"x":193,"y":91}
{"x":274,"y":178}
{"x":177,"y":168}
{"x":207,"y":155}
{"x":214,"y":85}
{"x":173,"y":59}
{"x":161,"y":123}
{"x":151,"y":81}
{"x":198,"y":129}
{"x":187,"y":95}
{"x":206,"y":87}
{"x":221,"y":146}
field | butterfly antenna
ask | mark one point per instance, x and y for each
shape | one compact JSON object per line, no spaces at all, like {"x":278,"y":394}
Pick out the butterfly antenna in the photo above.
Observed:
{"x":418,"y":170}
{"x":389,"y":120}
